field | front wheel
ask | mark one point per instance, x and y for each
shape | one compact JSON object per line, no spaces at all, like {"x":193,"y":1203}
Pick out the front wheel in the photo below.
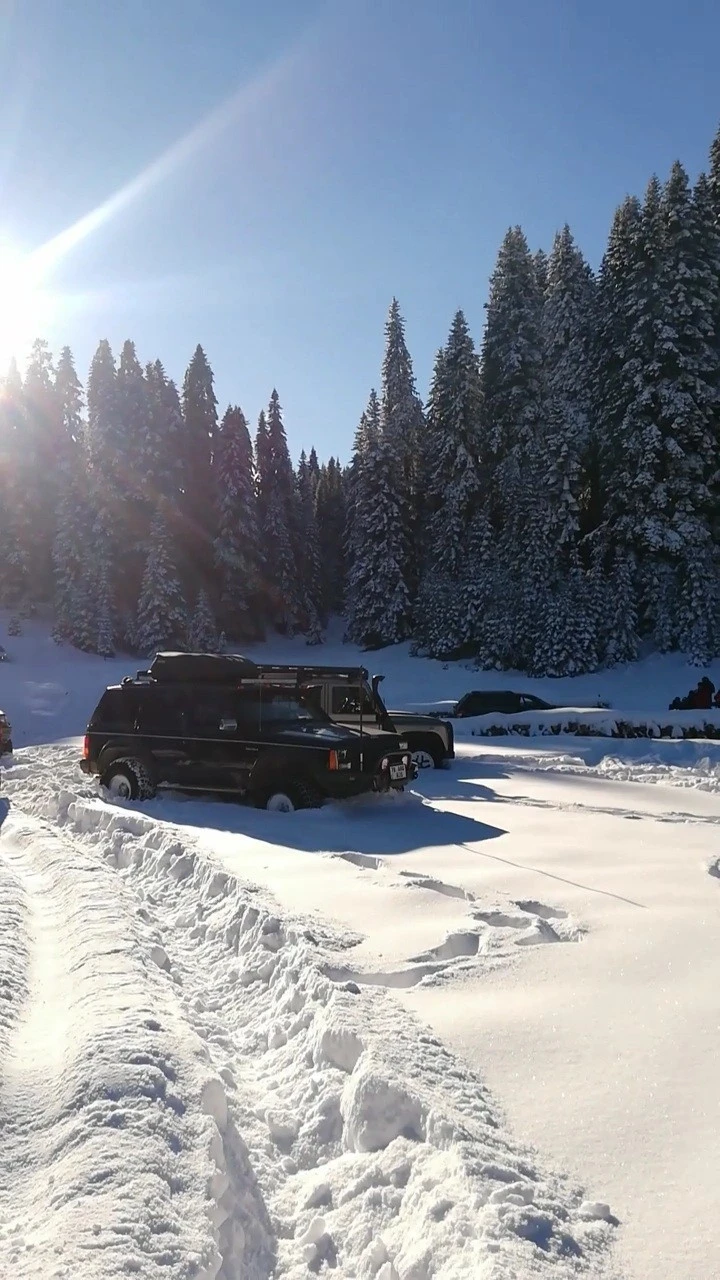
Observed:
{"x":128,"y":780}
{"x":426,"y":751}
{"x":299,"y":795}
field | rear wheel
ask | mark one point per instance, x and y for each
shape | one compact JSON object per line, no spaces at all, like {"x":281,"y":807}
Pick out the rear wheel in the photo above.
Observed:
{"x":128,"y":780}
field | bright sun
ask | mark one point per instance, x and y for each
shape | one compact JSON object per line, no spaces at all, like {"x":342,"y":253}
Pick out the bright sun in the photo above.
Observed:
{"x":23,"y":305}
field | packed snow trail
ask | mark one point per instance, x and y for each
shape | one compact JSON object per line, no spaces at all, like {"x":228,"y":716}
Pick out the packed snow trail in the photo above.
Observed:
{"x":332,"y":1132}
{"x":107,"y":1158}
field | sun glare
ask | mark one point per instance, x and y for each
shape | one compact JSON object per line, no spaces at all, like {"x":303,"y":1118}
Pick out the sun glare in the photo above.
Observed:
{"x":23,"y":308}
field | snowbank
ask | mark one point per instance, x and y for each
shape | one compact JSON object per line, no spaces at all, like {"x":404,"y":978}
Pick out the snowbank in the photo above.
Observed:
{"x":337,"y":1133}
{"x":599,"y":724}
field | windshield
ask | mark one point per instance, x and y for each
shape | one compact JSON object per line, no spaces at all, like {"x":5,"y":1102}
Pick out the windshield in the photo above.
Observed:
{"x":286,"y":704}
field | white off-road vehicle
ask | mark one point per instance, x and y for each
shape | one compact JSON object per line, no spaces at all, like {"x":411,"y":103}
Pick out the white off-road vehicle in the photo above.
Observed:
{"x":350,"y":697}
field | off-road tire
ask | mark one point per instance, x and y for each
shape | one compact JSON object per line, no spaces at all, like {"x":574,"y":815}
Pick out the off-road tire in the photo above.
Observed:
{"x":430,"y":745}
{"x":303,"y":795}
{"x":141,"y":783}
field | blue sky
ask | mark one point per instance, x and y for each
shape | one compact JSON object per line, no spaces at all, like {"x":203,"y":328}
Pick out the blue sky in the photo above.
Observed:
{"x":351,"y":150}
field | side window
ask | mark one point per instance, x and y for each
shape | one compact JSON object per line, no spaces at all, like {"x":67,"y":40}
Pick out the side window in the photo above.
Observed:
{"x":162,"y":712}
{"x":115,"y":711}
{"x":207,"y":707}
{"x":345,"y":700}
{"x":512,"y":702}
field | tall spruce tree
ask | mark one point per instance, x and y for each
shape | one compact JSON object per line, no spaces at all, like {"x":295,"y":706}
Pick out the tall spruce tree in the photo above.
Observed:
{"x":515,"y":411}
{"x":237,"y":544}
{"x":74,"y":620}
{"x":165,"y":436}
{"x":202,"y":631}
{"x":330,"y":511}
{"x":309,"y":562}
{"x":198,"y":505}
{"x":105,"y":490}
{"x":445,"y":621}
{"x":42,"y":440}
{"x":378,"y":600}
{"x":566,"y":639}
{"x":136,"y":495}
{"x":162,"y":613}
{"x":14,"y":525}
{"x":403,"y":430}
{"x":279,"y":516}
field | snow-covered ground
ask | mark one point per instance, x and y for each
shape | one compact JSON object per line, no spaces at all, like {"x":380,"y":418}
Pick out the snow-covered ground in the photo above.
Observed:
{"x":467,"y":1032}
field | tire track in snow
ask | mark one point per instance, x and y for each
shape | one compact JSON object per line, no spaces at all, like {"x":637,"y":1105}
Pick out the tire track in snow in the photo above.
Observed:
{"x":110,"y":1161}
{"x":358,"y":1126}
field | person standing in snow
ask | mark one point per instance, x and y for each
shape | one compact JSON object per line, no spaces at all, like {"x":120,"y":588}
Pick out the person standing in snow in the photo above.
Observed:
{"x":704,"y":694}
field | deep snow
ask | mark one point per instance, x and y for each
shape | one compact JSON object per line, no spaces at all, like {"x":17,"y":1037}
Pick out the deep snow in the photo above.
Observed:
{"x":209,"y":1052}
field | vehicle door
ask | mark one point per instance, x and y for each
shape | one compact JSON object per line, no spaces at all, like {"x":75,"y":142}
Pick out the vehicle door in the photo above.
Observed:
{"x":222,"y":737}
{"x":161,"y":722}
{"x":346,"y":703}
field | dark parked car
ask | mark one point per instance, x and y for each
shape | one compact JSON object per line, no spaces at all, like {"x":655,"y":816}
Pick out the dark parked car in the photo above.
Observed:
{"x":502,"y":702}
{"x":198,"y":722}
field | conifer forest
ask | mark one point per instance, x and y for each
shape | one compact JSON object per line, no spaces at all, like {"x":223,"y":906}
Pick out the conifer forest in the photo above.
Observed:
{"x":553,"y":507}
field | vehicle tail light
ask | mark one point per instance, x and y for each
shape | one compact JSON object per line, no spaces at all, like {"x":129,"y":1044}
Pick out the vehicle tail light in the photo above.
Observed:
{"x":333,"y":762}
{"x":86,"y":747}
{"x":384,"y":763}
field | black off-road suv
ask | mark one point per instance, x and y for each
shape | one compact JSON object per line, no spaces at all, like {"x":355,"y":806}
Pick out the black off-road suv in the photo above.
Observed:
{"x":201,"y":722}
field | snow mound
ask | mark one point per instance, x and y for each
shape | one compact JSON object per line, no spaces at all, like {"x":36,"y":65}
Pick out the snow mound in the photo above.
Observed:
{"x":315,"y":1124}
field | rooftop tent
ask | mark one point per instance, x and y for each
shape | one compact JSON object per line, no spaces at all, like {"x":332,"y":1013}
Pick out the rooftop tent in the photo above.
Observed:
{"x":206,"y":668}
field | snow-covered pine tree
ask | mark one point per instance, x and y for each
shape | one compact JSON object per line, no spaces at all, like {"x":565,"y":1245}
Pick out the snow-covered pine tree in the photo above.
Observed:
{"x":237,"y":544}
{"x":611,"y":385}
{"x":353,"y":527}
{"x":105,"y":490}
{"x":331,"y":515}
{"x":74,"y":621}
{"x":14,"y":525}
{"x":278,"y":510}
{"x":163,"y":441}
{"x":309,"y":564}
{"x":42,"y":440}
{"x":137,"y":496}
{"x":711,"y":213}
{"x":515,"y":412}
{"x":378,"y":603}
{"x":453,"y":584}
{"x":706,"y":208}
{"x":198,"y":502}
{"x":566,"y":632}
{"x":403,"y":428}
{"x":541,"y":260}
{"x":620,"y":620}
{"x":162,"y":614}
{"x":314,"y":469}
{"x":202,"y":632}
{"x":667,"y":438}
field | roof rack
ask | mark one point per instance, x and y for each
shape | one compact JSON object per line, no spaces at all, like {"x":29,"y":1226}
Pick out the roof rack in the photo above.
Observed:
{"x":303,"y":672}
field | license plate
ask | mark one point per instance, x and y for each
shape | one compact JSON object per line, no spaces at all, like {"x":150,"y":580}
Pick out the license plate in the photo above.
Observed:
{"x":398,"y":771}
